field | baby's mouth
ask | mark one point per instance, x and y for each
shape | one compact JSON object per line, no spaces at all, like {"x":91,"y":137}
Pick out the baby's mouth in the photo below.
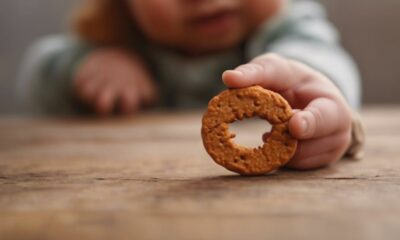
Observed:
{"x":215,"y":22}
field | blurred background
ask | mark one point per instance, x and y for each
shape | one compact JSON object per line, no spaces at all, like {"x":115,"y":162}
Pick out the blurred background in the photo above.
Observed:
{"x":370,"y":31}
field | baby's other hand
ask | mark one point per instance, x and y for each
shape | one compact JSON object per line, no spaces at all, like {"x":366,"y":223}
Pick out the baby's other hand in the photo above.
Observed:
{"x":111,"y":79}
{"x":323,"y":122}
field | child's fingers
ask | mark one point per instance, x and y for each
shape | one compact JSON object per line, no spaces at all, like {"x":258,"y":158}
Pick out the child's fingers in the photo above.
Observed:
{"x":321,"y":117}
{"x":89,"y":69}
{"x":129,"y":100}
{"x":266,"y":135}
{"x":315,"y":161}
{"x":316,"y":153}
{"x":312,"y":147}
{"x":269,"y":71}
{"x":85,"y":71}
{"x":147,"y":89}
{"x":296,"y":82}
{"x":105,"y":100}
{"x":88,"y":90}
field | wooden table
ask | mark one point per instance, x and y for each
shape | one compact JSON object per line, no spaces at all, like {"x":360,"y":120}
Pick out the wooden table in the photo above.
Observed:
{"x":150,"y":178}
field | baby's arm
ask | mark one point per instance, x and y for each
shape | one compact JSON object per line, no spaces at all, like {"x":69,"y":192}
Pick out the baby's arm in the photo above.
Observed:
{"x":44,"y":81}
{"x":62,"y":75}
{"x":323,"y":121}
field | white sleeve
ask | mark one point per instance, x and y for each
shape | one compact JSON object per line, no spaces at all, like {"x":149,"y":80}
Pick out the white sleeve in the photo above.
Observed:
{"x":44,"y":79}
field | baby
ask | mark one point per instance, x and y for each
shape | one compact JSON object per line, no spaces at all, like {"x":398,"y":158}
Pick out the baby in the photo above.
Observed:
{"x":130,"y":54}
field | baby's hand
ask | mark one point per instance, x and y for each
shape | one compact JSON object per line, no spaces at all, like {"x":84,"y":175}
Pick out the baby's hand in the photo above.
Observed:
{"x":113,"y":79}
{"x":323,"y":123}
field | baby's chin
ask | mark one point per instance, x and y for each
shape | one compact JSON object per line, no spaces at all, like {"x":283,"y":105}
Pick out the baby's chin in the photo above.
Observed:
{"x":195,"y":43}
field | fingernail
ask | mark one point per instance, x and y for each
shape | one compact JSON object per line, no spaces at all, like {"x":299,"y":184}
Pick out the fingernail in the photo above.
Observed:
{"x":304,"y":126}
{"x":236,"y":72}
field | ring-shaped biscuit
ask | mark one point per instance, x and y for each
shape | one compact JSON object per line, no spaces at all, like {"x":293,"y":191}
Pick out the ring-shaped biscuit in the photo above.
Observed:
{"x":236,"y":104}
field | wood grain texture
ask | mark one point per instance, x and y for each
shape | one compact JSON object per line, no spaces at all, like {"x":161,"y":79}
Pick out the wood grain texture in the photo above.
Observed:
{"x":150,"y":178}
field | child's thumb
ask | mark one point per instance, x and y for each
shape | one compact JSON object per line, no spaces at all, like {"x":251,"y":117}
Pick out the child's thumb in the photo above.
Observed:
{"x":320,"y":118}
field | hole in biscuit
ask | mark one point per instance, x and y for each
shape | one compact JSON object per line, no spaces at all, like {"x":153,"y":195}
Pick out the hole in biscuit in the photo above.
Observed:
{"x":249,"y":131}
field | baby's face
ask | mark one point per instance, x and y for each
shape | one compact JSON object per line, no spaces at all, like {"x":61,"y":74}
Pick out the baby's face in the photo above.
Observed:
{"x":201,"y":26}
